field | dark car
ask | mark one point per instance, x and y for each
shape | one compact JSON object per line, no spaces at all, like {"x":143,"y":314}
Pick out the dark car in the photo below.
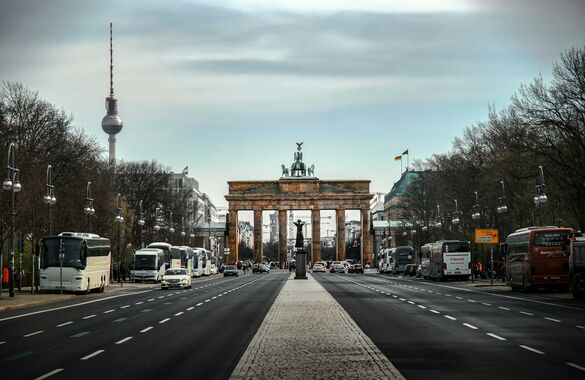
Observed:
{"x":337,"y":268}
{"x":230,"y":270}
{"x":355,"y":268}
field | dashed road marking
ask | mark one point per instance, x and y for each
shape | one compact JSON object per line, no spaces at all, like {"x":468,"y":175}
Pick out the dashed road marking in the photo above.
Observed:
{"x":190,"y":308}
{"x":207,"y":300}
{"x":150,"y":300}
{"x":33,"y":333}
{"x":146,"y":329}
{"x":486,"y":304}
{"x":552,"y":319}
{"x":119,"y":320}
{"x":580,"y":327}
{"x":503,"y":308}
{"x":576,"y":366}
{"x":472,"y":300}
{"x":402,"y":299}
{"x":160,"y":297}
{"x":410,"y":302}
{"x":495,"y":336}
{"x":434,"y":311}
{"x":199,"y":304}
{"x":422,"y":307}
{"x":65,"y":324}
{"x":92,"y":355}
{"x":470,"y":326}
{"x":139,"y":303}
{"x":109,"y":311}
{"x":164,"y":320}
{"x":89,"y":316}
{"x":526,"y":313}
{"x":53,"y":372}
{"x":531,"y":349}
{"x":450,"y":317}
{"x":124,"y":340}
{"x":459,"y":298}
{"x":1,"y":343}
{"x":179,"y":313}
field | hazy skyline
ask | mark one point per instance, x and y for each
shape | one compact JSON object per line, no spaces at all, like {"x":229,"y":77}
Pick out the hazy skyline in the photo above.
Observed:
{"x":227,"y":88}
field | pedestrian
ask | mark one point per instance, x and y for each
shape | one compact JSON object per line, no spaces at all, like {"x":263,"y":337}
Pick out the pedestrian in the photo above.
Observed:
{"x":122,"y":272}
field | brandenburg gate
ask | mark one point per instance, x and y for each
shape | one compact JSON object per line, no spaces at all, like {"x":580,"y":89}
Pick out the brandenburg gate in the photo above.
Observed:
{"x":298,"y":189}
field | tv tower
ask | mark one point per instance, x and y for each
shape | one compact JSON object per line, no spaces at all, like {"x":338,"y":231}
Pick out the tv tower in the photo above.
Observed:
{"x":112,"y":123}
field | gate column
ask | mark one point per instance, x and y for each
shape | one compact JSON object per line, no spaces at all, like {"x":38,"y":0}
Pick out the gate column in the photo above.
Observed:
{"x":366,"y":249}
{"x":340,"y":253}
{"x":233,"y":235}
{"x":258,"y":236}
{"x":282,"y":234}
{"x":316,"y":233}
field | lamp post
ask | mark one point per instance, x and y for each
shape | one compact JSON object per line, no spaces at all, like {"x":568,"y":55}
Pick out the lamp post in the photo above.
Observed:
{"x":455,"y":219}
{"x":49,"y":197}
{"x":183,"y":229}
{"x":12,"y":184}
{"x":476,"y":216}
{"x":502,"y":208}
{"x":156,"y":227}
{"x":119,"y":219}
{"x":540,"y":197}
{"x":88,"y":210}
{"x":140,"y":221}
{"x":171,"y":229}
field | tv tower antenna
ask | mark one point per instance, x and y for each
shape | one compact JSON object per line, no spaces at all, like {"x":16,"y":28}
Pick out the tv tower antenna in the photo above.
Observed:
{"x":112,"y":123}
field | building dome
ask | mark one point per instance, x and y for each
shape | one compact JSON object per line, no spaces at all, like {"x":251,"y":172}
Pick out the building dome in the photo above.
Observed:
{"x":112,"y":124}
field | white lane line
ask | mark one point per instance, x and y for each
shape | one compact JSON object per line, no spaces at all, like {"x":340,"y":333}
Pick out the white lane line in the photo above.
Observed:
{"x":92,"y":355}
{"x":89,"y":316}
{"x":450,"y":317}
{"x":160,"y":297}
{"x":434,"y":311}
{"x":410,"y":302}
{"x":495,"y":336}
{"x":486,"y":304}
{"x":125,"y":306}
{"x":552,"y":319}
{"x":199,"y":304}
{"x":213,"y":297}
{"x":531,"y":349}
{"x":580,"y":327}
{"x":34,"y":333}
{"x":526,"y":313}
{"x":150,"y":300}
{"x":503,"y":308}
{"x":146,"y":329}
{"x":472,"y":300}
{"x":438,"y":293}
{"x":164,"y":320}
{"x":65,"y":324}
{"x":49,"y":374}
{"x":179,"y":313}
{"x":190,"y":308}
{"x":207,"y":300}
{"x":402,"y":299}
{"x":470,"y":326}
{"x":422,"y":307}
{"x":170,"y":295}
{"x":394,"y":295}
{"x":124,"y":340}
{"x":109,"y":311}
{"x":459,"y":298}
{"x":447,"y":295}
{"x":139,"y":303}
{"x":1,"y":343}
{"x":576,"y":366}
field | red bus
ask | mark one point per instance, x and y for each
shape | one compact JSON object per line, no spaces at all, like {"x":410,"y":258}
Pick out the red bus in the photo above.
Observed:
{"x":538,"y":257}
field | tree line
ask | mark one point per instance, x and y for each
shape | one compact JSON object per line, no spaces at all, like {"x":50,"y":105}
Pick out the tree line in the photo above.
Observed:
{"x":499,"y":158}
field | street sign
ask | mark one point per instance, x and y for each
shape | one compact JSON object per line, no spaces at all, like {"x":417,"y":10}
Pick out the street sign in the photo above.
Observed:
{"x":486,"y":236}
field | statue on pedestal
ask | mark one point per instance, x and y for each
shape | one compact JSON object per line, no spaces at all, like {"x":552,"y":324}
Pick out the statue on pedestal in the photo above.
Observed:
{"x":299,"y":243}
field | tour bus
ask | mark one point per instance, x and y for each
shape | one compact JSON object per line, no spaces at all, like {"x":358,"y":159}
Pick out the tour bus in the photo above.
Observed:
{"x":204,"y":261}
{"x":185,"y":254}
{"x":196,"y":269}
{"x":425,"y":263}
{"x":450,"y":259}
{"x":75,"y":261}
{"x":166,"y":248}
{"x":176,"y":257}
{"x":538,"y":257}
{"x":384,"y":264}
{"x":149,"y":265}
{"x":401,"y":257}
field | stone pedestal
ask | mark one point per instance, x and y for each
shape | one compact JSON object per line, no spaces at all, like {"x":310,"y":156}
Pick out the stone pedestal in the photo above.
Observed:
{"x":301,"y":265}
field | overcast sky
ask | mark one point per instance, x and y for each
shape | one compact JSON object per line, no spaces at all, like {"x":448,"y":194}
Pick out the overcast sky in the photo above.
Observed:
{"x":227,"y":88}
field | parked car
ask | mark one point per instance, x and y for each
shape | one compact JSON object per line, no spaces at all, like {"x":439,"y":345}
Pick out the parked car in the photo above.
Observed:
{"x":337,"y":268}
{"x":319,"y":267}
{"x":230,"y":270}
{"x":355,"y":268}
{"x":260,"y":268}
{"x":175,"y":278}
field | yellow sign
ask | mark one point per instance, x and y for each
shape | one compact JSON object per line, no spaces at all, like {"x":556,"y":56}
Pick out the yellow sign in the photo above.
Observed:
{"x":486,"y":236}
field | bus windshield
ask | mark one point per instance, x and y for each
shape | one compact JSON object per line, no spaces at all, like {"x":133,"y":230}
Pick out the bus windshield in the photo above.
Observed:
{"x":551,"y":239}
{"x":73,"y":250}
{"x":144,"y":262}
{"x":459,"y":246}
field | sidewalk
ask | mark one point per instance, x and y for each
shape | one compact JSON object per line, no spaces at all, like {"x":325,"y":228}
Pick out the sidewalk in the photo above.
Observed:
{"x":295,"y":340}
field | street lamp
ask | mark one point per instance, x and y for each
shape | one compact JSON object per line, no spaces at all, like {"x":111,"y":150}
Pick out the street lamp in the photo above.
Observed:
{"x":119,"y":219}
{"x":156,"y":227}
{"x":12,"y":184}
{"x":140,"y":221}
{"x":183,"y":229}
{"x":88,"y":210}
{"x":455,"y":219}
{"x":540,"y":197}
{"x":502,"y":208}
{"x":476,"y":215}
{"x":438,"y":221}
{"x":49,"y":197}
{"x":171,"y":229}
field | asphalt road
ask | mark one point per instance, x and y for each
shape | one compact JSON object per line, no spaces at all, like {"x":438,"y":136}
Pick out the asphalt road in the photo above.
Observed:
{"x":196,"y":333}
{"x":446,"y":331}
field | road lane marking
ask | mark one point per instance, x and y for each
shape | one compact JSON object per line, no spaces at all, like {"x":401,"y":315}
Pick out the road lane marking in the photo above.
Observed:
{"x":179,"y":313}
{"x":402,"y":299}
{"x":34,"y":333}
{"x":160,"y":297}
{"x":79,"y":335}
{"x":109,"y":311}
{"x":503,"y":308}
{"x":576,"y":366}
{"x":124,"y":340}
{"x":486,"y":304}
{"x":459,"y":298}
{"x":552,"y":319}
{"x":422,"y":307}
{"x":207,"y":300}
{"x":124,"y":307}
{"x":434,"y":311}
{"x":139,"y":303}
{"x":472,"y":300}
{"x":213,"y":297}
{"x":410,"y":302}
{"x":150,"y":300}
{"x":495,"y":336}
{"x":450,"y":317}
{"x":199,"y":304}
{"x":1,"y":343}
{"x":525,"y":313}
{"x":146,"y":329}
{"x":470,"y":326}
{"x":447,"y":295}
{"x":119,"y":320}
{"x":580,"y":327}
{"x":89,"y":316}
{"x":190,"y":308}
{"x":531,"y":349}
{"x":92,"y":355}
{"x":49,"y":374}
{"x":164,"y":320}
{"x":19,"y":356}
{"x":65,"y":324}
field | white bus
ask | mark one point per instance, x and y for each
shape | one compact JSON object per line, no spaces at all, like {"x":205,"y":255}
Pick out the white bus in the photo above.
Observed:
{"x":450,"y":259}
{"x":166,"y":247}
{"x":75,"y":261}
{"x":197,"y":270}
{"x":148,"y":265}
{"x":385,"y":264}
{"x":205,"y":261}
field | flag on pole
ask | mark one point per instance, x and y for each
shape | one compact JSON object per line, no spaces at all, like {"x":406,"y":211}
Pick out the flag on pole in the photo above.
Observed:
{"x":405,"y":152}
{"x":398,"y":158}
{"x":186,"y":170}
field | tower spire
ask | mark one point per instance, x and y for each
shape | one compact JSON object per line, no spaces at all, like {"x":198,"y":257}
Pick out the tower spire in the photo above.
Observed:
{"x":111,"y":64}
{"x":112,"y":123}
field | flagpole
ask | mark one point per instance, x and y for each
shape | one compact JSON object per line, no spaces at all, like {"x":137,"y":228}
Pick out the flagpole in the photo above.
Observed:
{"x":401,"y":166}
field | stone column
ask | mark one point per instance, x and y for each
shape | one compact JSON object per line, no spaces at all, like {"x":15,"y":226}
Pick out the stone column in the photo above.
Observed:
{"x":316,"y":240}
{"x":340,"y":254}
{"x":366,"y":247}
{"x":258,"y":236}
{"x":282,"y":235}
{"x":233,"y":235}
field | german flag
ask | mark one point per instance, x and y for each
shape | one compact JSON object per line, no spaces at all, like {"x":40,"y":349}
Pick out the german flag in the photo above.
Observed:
{"x":398,"y":158}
